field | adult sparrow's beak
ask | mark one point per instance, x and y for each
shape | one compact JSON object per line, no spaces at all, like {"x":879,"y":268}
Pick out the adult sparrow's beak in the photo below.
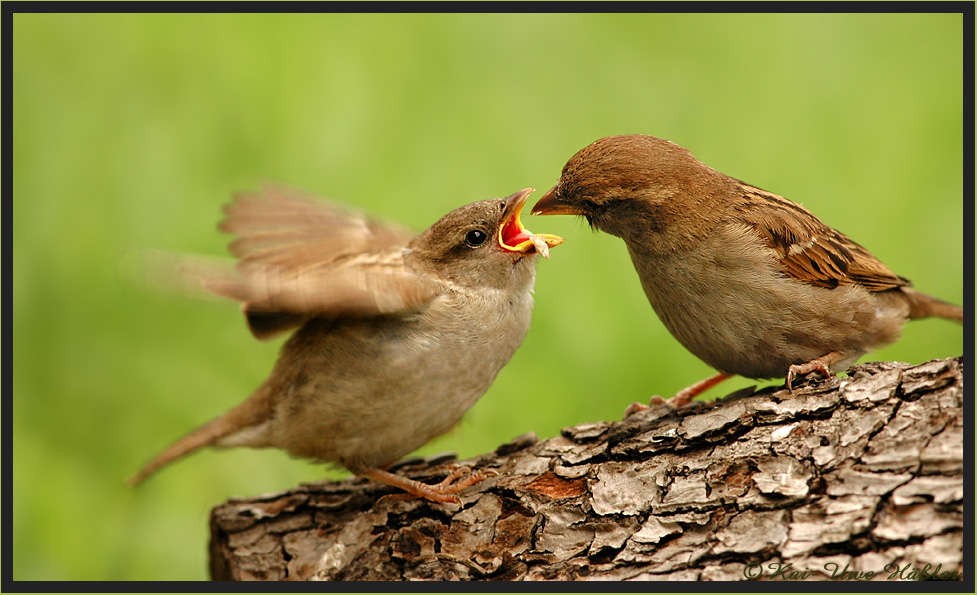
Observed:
{"x":513,"y":237}
{"x":551,"y":205}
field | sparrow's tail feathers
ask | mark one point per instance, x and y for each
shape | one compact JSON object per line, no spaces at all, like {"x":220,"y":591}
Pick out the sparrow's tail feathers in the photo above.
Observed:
{"x":923,"y":306}
{"x":239,"y":420}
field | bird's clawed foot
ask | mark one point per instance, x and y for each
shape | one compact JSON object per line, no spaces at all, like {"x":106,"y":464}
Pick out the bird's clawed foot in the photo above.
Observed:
{"x":459,"y":479}
{"x":821,"y":364}
{"x":682,"y":397}
{"x":636,"y":406}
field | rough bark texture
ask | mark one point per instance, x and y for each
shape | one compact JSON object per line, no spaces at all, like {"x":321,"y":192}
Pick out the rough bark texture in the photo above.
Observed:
{"x":855,"y":475}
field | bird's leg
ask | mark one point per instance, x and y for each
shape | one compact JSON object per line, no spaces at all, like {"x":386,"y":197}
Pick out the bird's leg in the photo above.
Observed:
{"x":682,"y":397}
{"x":685,"y":396}
{"x":821,"y":364}
{"x":439,"y":492}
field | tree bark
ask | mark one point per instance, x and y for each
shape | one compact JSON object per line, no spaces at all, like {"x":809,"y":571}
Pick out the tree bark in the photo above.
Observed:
{"x":851,"y":478}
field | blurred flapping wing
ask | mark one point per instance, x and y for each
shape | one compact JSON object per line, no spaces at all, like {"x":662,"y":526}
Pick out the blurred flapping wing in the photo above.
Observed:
{"x":300,"y":257}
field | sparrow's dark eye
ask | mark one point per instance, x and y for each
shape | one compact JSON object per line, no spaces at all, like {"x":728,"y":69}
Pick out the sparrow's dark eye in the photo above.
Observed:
{"x":590,"y":206}
{"x":476,"y":237}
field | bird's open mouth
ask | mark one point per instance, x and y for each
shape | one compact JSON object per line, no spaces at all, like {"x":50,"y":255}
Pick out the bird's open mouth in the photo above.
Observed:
{"x":513,"y":237}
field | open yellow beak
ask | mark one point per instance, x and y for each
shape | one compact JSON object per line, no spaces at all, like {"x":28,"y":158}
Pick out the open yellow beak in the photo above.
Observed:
{"x":513,"y":237}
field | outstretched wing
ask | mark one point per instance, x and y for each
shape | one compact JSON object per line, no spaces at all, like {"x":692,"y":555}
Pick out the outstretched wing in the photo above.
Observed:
{"x":300,"y":257}
{"x":286,"y":227}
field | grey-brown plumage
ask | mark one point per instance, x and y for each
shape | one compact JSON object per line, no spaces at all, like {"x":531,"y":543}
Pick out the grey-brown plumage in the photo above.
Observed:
{"x":397,"y":336}
{"x":751,"y":283}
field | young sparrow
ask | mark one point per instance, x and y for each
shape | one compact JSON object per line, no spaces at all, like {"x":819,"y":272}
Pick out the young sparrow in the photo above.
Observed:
{"x":396,"y":339}
{"x":748,"y":281}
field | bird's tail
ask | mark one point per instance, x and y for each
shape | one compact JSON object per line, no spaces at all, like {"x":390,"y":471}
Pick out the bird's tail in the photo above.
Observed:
{"x":924,"y":306}
{"x":252,"y":412}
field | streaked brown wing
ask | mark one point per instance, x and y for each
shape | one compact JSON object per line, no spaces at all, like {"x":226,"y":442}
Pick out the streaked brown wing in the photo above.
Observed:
{"x":809,"y":250}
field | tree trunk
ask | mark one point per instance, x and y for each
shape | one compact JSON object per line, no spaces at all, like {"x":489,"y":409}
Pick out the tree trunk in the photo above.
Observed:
{"x":852,"y":478}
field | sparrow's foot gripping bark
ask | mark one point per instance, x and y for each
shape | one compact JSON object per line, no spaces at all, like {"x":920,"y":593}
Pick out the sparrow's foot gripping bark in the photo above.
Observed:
{"x":685,"y":396}
{"x":821,"y":364}
{"x":682,"y":397}
{"x":459,"y":479}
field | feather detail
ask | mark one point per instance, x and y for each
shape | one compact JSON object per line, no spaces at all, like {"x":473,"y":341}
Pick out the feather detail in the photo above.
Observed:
{"x":299,"y":257}
{"x":809,"y":250}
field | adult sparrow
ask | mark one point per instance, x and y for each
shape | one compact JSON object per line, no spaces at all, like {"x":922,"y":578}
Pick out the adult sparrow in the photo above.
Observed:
{"x":748,"y":281}
{"x":396,"y":336}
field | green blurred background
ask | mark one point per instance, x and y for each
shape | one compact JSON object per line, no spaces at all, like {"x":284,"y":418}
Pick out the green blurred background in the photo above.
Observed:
{"x":130,"y":131}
